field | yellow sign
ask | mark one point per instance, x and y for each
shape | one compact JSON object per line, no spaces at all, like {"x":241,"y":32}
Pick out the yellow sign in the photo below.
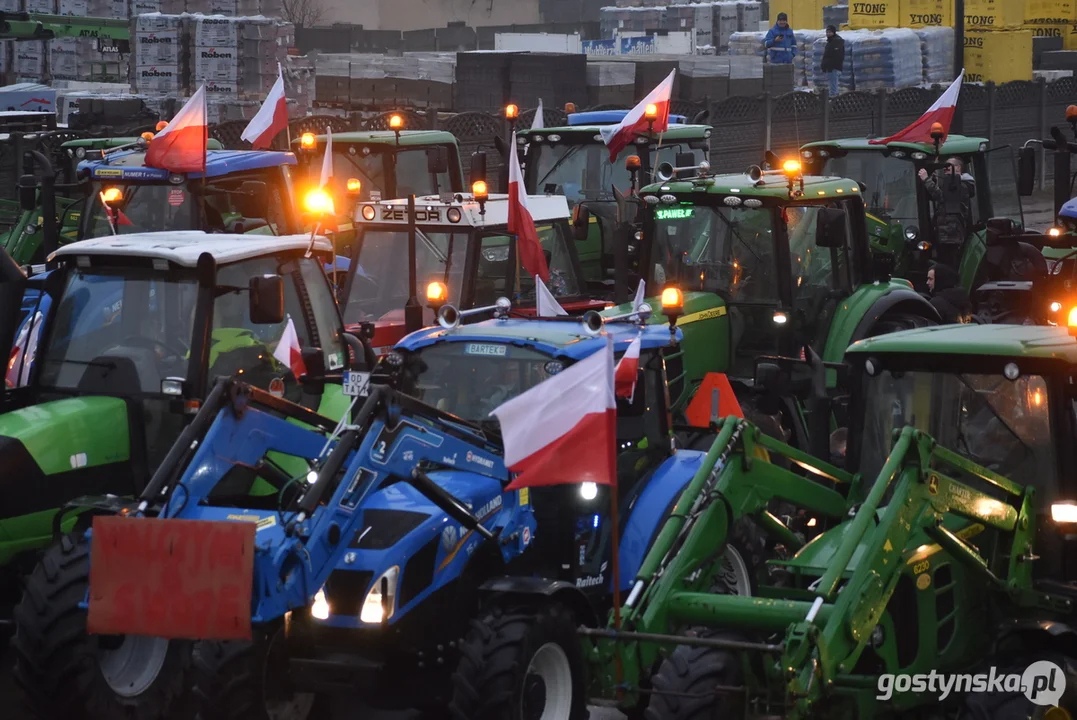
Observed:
{"x":107,"y":172}
{"x":923,"y":582}
{"x":702,"y":315}
{"x":525,"y":496}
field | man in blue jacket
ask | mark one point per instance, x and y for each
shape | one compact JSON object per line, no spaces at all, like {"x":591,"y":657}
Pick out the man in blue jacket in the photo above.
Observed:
{"x":781,"y":42}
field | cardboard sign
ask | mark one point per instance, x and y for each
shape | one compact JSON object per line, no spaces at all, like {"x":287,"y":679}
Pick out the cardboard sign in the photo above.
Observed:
{"x":183,"y":579}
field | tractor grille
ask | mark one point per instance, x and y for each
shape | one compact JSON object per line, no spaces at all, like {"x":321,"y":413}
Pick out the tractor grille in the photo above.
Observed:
{"x":419,"y":572}
{"x":382,"y":529}
{"x":346,"y":589}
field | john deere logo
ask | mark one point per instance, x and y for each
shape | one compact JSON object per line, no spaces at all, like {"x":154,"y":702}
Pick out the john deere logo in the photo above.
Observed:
{"x":933,"y":484}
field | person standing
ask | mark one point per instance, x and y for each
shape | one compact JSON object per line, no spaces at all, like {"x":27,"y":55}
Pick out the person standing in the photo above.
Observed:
{"x":781,"y":42}
{"x":833,"y":58}
{"x":951,"y":193}
{"x":947,"y":295}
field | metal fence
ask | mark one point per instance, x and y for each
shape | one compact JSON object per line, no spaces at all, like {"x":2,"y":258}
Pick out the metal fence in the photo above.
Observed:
{"x":744,"y":127}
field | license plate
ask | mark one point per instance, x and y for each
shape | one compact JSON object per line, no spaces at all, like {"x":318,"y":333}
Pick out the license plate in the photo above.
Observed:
{"x":356,"y":384}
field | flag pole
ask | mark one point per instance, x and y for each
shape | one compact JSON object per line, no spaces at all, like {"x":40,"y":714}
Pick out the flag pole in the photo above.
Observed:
{"x":616,"y":543}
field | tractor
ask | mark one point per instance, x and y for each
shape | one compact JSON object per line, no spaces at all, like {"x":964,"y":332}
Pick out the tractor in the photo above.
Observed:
{"x":460,"y":252}
{"x":768,"y":261}
{"x":934,"y":539}
{"x":135,"y":329}
{"x":901,"y":213}
{"x":573,"y":161}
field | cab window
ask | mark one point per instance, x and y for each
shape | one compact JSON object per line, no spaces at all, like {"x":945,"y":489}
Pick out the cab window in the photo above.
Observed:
{"x":496,"y":277}
{"x":413,"y":175}
{"x":227,"y":210}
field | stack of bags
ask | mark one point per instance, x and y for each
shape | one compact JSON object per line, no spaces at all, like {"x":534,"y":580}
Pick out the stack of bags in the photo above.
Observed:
{"x":809,"y":55}
{"x":937,"y":48}
{"x":747,"y":43}
{"x":883,"y":59}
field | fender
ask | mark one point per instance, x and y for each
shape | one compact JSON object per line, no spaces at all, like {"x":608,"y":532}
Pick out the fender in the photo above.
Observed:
{"x":651,"y":508}
{"x":1049,"y":628}
{"x":897,"y":300}
{"x":543,"y":588}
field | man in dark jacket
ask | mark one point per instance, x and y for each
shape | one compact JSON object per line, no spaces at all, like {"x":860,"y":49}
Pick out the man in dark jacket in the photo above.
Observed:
{"x":947,"y":295}
{"x":781,"y":42}
{"x":833,"y":58}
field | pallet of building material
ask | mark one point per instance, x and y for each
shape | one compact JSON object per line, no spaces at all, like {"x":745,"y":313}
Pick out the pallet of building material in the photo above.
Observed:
{"x":159,"y":79}
{"x":39,"y":6}
{"x":836,"y":15}
{"x":73,"y":8}
{"x":749,"y":15}
{"x":806,"y":58}
{"x":882,"y":59}
{"x":29,"y":61}
{"x":1059,"y":60}
{"x":108,"y":8}
{"x":557,"y":78}
{"x":747,"y":43}
{"x":937,"y":50}
{"x":10,"y":6}
{"x":332,"y":89}
{"x":845,"y":78}
{"x":705,"y":78}
{"x":994,"y":14}
{"x":482,"y":81}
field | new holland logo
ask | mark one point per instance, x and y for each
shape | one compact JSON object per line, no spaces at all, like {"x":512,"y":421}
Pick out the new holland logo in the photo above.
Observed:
{"x":214,"y":55}
{"x":478,"y":459}
{"x":489,"y":507}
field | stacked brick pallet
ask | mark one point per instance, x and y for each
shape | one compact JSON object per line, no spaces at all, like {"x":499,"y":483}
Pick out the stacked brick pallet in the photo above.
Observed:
{"x":712,"y":22}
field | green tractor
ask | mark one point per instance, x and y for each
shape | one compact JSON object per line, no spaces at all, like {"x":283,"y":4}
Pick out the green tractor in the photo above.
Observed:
{"x":136,"y":329}
{"x":573,"y":161}
{"x":901,"y":213}
{"x":934,"y":545}
{"x":374,"y":165}
{"x":761,"y":263}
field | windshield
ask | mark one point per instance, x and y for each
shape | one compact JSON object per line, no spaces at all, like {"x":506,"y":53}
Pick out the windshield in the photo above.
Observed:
{"x":890,"y":183}
{"x":1001,"y":424}
{"x":413,"y":176}
{"x":144,"y":207}
{"x":470,"y":379}
{"x":379,"y":285}
{"x":716,"y":249}
{"x":127,"y":328}
{"x":584,"y":172}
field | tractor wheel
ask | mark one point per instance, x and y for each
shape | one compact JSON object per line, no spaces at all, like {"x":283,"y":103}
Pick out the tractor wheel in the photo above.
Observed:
{"x":1017,"y":703}
{"x":893,"y":322}
{"x":241,"y":680}
{"x":520,"y":663}
{"x":64,"y":672}
{"x":685,"y":687}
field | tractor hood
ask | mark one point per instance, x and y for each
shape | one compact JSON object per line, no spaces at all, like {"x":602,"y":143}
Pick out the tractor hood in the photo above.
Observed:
{"x":402,"y":529}
{"x":59,"y":450}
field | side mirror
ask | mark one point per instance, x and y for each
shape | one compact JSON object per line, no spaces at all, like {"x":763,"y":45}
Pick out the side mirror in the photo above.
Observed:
{"x":1026,"y":171}
{"x":770,"y":378}
{"x":830,"y":228}
{"x":28,"y":193}
{"x":437,"y":160}
{"x":314,"y":362}
{"x":266,"y":295}
{"x":685,"y":160}
{"x":253,"y":199}
{"x":581,"y":219}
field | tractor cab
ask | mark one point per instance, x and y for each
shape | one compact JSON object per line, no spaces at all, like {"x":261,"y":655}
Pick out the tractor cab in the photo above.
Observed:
{"x":574,"y":161}
{"x":1000,"y":396}
{"x":133,"y":332}
{"x":463,"y":255}
{"x":371,"y":166}
{"x":902,"y":213}
{"x":240,"y":192}
{"x":767,"y":262}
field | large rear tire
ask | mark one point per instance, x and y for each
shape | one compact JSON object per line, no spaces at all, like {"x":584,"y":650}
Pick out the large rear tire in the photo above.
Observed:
{"x":685,"y":685}
{"x":521,"y":663}
{"x":64,"y":672}
{"x":240,"y":680}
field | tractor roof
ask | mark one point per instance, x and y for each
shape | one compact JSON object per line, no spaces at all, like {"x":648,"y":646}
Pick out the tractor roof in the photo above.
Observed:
{"x":564,"y":338}
{"x":184,"y":247}
{"x":131,"y":165}
{"x":769,"y":185}
{"x":584,"y":127}
{"x":408,"y":138}
{"x":100,"y":143}
{"x":954,"y":145}
{"x":431,"y":210}
{"x":1043,"y":342}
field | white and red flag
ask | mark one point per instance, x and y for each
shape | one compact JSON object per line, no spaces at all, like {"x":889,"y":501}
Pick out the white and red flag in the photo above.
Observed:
{"x":288,"y":351}
{"x":641,"y":291}
{"x":941,"y":112}
{"x":271,"y":118}
{"x":563,"y":430}
{"x":546,"y":304}
{"x":627,"y":370}
{"x":327,"y":159}
{"x":181,"y":146}
{"x":618,"y":137}
{"x":521,"y":224}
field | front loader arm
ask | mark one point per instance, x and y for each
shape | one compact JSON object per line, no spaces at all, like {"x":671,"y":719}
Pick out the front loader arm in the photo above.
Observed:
{"x":822,"y":650}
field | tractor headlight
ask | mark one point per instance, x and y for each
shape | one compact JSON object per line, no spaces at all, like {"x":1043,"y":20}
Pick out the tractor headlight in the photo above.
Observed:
{"x":1064,"y":513}
{"x":320,"y":609}
{"x":588,"y":490}
{"x":378,"y":607}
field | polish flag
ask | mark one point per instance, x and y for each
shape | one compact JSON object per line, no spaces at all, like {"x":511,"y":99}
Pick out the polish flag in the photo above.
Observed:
{"x":537,"y":123}
{"x":941,"y":112}
{"x":288,"y":351}
{"x":547,"y":305}
{"x":563,"y":430}
{"x":618,"y":137}
{"x":627,"y":371}
{"x":272,"y":117}
{"x":181,"y":146}
{"x":521,"y":223}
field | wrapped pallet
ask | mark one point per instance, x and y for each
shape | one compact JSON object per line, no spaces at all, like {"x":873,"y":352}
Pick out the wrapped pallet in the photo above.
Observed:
{"x":64,"y":62}
{"x":611,"y":83}
{"x":885,"y":59}
{"x":809,"y":54}
{"x":749,"y":15}
{"x":29,"y":61}
{"x":159,"y":53}
{"x":845,"y":79}
{"x":747,"y":43}
{"x":726,"y":22}
{"x":74,"y":8}
{"x":937,"y":48}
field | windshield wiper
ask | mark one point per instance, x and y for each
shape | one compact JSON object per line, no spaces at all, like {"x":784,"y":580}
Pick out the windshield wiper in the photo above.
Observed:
{"x":558,"y":164}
